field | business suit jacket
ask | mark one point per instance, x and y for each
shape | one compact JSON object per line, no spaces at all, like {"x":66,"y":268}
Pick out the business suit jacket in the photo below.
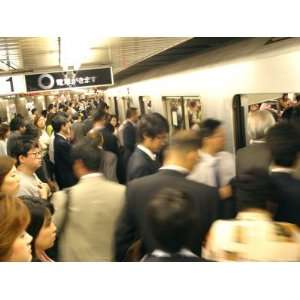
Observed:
{"x":63,"y":164}
{"x":133,"y":225}
{"x":129,"y":138}
{"x":140,"y":164}
{"x":109,"y":165}
{"x":288,"y":192}
{"x":90,"y":220}
{"x":256,"y":155}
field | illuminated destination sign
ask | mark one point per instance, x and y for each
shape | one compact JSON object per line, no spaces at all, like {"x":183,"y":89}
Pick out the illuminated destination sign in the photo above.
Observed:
{"x":70,"y":79}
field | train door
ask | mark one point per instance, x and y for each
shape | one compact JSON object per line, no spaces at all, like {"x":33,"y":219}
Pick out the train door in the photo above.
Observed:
{"x":193,"y":112}
{"x":174,"y":110}
{"x":244,"y":104}
{"x":145,"y":104}
{"x":116,"y":107}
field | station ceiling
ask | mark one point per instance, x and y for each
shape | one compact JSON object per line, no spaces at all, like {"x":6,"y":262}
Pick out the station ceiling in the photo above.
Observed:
{"x":126,"y":55}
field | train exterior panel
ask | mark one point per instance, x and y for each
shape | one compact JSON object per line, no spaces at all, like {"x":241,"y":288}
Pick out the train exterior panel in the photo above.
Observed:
{"x":248,"y":67}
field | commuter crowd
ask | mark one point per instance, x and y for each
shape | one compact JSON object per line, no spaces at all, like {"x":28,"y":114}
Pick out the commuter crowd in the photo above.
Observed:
{"x":76,"y":185}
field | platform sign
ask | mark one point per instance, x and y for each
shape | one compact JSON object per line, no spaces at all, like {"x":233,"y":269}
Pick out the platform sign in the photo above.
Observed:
{"x":70,"y":79}
{"x":14,"y":84}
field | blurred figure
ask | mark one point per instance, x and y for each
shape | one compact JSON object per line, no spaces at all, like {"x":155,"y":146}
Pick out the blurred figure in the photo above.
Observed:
{"x":17,"y":127}
{"x":109,"y":160}
{"x":9,"y":179}
{"x":41,"y":227}
{"x":14,"y":240}
{"x":284,"y":143}
{"x":86,"y":214}
{"x":171,"y":217}
{"x":284,"y":102}
{"x":180,"y":158}
{"x":77,"y":128}
{"x":29,"y":158}
{"x":4,"y":134}
{"x":114,"y":124}
{"x":257,"y":154}
{"x":253,"y":235}
{"x":216,"y":167}
{"x":254,"y":107}
{"x":152,"y":134}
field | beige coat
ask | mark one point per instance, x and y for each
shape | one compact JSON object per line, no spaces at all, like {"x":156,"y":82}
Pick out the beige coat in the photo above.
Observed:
{"x":88,"y":232}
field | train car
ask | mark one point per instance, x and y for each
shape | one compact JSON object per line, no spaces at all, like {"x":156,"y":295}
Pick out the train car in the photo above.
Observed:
{"x":221,"y":84}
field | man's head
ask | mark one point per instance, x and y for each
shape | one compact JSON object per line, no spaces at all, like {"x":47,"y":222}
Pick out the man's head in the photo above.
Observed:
{"x":132,"y":114}
{"x":171,"y":218}
{"x":86,"y":157}
{"x":61,"y":125}
{"x":17,"y":124}
{"x":27,"y":153}
{"x":100,"y":119}
{"x":284,"y":142}
{"x":183,"y":149}
{"x":152,"y":131}
{"x":259,"y":123}
{"x":212,"y":136}
{"x":254,"y":190}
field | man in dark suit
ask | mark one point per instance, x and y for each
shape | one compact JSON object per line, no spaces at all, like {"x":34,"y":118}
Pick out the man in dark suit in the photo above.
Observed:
{"x":284,"y":142}
{"x":171,"y":217}
{"x":152,"y":132}
{"x":129,"y":133}
{"x":180,"y":158}
{"x":62,"y":149}
{"x":257,"y":154}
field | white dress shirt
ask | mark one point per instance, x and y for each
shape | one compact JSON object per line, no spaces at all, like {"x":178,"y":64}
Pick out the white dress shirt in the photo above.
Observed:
{"x":175,"y":168}
{"x":204,"y":171}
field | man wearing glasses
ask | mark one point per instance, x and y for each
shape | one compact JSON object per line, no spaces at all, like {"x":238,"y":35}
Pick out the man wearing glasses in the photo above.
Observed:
{"x":29,"y":158}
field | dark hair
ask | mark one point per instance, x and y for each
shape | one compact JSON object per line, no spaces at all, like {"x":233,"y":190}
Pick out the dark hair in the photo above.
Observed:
{"x":291,"y":114}
{"x":283,"y":141}
{"x":50,"y":107}
{"x":130,"y":112}
{"x":22,"y":146}
{"x":100,"y":115}
{"x":102,"y":106}
{"x":16,"y":123}
{"x":88,"y":152}
{"x":298,"y":98}
{"x":208,"y":128}
{"x":58,"y":122}
{"x":6,"y":164}
{"x":170,"y":215}
{"x":39,"y":210}
{"x":151,"y":125}
{"x":33,"y":110}
{"x":254,"y":189}
{"x":44,"y":113}
{"x":32,"y":132}
{"x":4,"y":128}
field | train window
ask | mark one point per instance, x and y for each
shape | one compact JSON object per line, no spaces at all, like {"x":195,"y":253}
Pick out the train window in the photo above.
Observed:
{"x":183,"y":112}
{"x":145,"y":104}
{"x":244,"y":104}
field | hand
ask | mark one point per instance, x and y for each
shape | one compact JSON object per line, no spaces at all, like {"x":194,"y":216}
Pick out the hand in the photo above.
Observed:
{"x":44,"y":190}
{"x":225,"y":192}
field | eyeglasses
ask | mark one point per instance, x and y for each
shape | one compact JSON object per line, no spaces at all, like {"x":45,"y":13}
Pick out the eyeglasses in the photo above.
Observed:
{"x":35,"y":154}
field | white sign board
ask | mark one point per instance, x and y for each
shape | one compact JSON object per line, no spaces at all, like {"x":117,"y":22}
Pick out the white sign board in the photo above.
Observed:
{"x":12,"y":84}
